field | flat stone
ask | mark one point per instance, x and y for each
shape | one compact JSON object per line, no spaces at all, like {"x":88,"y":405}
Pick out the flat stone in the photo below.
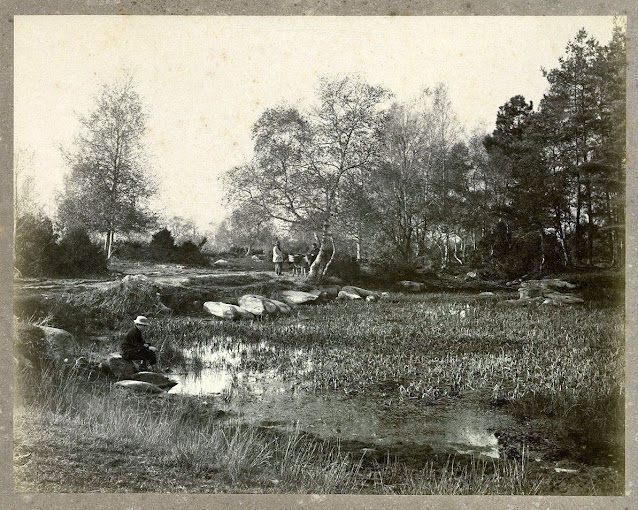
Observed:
{"x":361,"y":292}
{"x":159,"y":380}
{"x":344,"y":294}
{"x":297,"y":297}
{"x":139,"y":386}
{"x":227,"y":310}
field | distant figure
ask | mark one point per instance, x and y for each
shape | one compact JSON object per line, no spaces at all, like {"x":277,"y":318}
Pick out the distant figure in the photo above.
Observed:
{"x":312,"y":254}
{"x":277,"y":258}
{"x":133,"y":347}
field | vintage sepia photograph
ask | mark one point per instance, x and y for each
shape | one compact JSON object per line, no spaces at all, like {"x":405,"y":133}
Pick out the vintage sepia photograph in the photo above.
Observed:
{"x":372,"y":255}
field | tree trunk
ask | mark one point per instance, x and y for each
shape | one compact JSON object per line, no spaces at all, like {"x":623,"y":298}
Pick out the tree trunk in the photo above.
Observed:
{"x":334,"y":250}
{"x":316,"y":266}
{"x":249,"y":250}
{"x":110,"y":249}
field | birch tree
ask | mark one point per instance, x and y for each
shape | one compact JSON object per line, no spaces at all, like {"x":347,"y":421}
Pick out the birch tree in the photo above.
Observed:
{"x":300,"y":171}
{"x":109,"y":180}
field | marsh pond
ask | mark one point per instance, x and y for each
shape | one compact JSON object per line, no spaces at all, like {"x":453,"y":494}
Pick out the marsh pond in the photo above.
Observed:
{"x":444,"y":391}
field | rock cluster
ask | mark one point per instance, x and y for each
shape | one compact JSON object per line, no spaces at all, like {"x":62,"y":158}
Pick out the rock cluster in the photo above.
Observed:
{"x":227,"y":311}
{"x":412,"y":286}
{"x":544,"y":292}
{"x":251,"y":306}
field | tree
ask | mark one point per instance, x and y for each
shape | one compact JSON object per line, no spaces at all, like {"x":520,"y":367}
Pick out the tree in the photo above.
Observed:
{"x":247,"y":227}
{"x":23,"y":184}
{"x":302,"y":163}
{"x":109,"y":179}
{"x":395,"y":194}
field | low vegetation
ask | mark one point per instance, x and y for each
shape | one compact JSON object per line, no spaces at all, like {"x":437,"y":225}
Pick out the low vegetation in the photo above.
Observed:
{"x":552,"y":368}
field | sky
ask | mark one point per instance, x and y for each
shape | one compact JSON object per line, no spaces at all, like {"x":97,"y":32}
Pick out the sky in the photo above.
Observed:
{"x":205,"y":80}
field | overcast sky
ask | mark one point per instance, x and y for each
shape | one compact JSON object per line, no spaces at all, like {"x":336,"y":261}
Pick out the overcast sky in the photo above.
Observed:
{"x":205,"y":80}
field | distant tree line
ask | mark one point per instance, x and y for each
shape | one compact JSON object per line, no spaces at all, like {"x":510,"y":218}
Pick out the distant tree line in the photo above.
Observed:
{"x":404,"y":183}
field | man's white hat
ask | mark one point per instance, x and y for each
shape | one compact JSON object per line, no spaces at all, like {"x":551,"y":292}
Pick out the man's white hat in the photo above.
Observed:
{"x":141,"y":320}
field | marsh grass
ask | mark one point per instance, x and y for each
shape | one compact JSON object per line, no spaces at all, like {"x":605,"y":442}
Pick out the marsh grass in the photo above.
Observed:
{"x":161,"y":443}
{"x":546,"y":362}
{"x":542,"y":360}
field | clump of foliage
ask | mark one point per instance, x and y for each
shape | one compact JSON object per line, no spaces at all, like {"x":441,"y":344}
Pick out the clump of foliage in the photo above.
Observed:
{"x":80,"y":255}
{"x":162,"y":248}
{"x":39,"y":252}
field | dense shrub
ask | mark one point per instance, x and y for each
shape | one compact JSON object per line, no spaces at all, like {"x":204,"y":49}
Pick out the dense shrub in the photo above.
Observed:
{"x":189,"y":253}
{"x":162,"y":246}
{"x":345,"y":268}
{"x":80,"y":255}
{"x":38,"y":252}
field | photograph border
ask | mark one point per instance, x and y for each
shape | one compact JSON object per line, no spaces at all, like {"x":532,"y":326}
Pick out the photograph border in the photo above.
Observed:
{"x":71,"y":501}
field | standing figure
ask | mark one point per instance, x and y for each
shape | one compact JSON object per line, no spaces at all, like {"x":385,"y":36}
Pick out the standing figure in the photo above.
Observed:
{"x":277,"y":258}
{"x":135,"y":349}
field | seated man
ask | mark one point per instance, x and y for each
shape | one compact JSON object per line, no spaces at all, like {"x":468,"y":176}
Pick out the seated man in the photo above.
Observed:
{"x":133,"y":347}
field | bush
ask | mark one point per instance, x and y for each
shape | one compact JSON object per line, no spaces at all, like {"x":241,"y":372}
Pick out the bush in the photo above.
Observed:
{"x":36,"y":250}
{"x":162,"y":246}
{"x":79,"y":255}
{"x":189,"y":253}
{"x":345,"y":268}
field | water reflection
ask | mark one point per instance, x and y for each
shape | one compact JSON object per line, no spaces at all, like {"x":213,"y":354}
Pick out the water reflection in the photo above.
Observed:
{"x":264,"y":398}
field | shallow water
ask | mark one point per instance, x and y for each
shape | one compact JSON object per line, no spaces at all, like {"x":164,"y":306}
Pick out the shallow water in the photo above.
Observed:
{"x":265,"y":398}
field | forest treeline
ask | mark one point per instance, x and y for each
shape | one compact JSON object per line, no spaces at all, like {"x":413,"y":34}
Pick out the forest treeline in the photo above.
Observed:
{"x":368,"y":178}
{"x":404,"y":183}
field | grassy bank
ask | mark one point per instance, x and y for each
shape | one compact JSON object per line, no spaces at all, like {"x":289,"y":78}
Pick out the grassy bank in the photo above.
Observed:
{"x":73,"y":436}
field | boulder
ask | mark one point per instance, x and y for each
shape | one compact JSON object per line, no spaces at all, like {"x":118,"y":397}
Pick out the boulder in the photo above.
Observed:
{"x":227,"y":311}
{"x":139,"y":386}
{"x":487,"y":294}
{"x":221,"y":263}
{"x":557,"y":298}
{"x":555,"y":283}
{"x":531,"y":292}
{"x":412,"y":286}
{"x":350,"y":289}
{"x":345,"y":294}
{"x":260,"y":305}
{"x":547,"y":289}
{"x":117,"y":367}
{"x":331,"y":290}
{"x":284,"y":308}
{"x":159,"y":380}
{"x":472,"y":275}
{"x":255,"y":258}
{"x":60,"y":344}
{"x":297,"y":297}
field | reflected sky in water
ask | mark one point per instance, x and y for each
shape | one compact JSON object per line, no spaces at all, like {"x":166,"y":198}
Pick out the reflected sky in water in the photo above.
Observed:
{"x":265,"y":399}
